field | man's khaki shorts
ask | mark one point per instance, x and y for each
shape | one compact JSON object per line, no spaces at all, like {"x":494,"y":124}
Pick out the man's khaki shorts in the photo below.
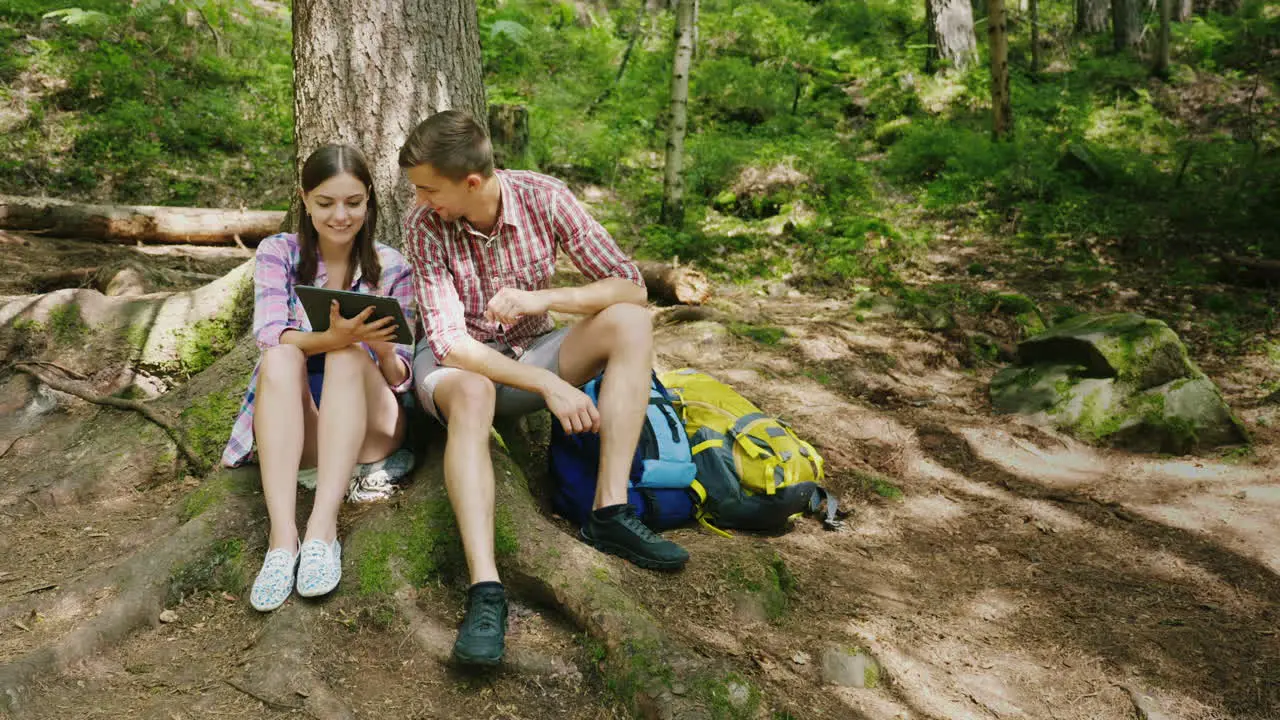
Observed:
{"x":543,"y":352}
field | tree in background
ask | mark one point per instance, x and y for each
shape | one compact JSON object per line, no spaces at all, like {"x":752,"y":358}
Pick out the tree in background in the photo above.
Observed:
{"x":1126,"y":23}
{"x":673,"y":183}
{"x":1001,"y":107}
{"x":1092,"y":16}
{"x":1162,"y":44}
{"x":1035,"y":36}
{"x":368,"y":77}
{"x":951,"y":38}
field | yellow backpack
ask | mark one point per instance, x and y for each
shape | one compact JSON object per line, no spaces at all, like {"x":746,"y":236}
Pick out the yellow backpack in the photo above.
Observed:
{"x":767,"y":454}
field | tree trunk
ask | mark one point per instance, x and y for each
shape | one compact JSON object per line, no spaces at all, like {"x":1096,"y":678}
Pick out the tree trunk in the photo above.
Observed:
{"x":509,"y":133}
{"x":1162,"y":46}
{"x":1126,"y":22}
{"x":138,"y":223}
{"x":1183,"y":10}
{"x":673,"y":185}
{"x":1092,"y":16}
{"x":368,"y":73}
{"x":1001,"y":110}
{"x":951,"y":39}
{"x":1035,"y":36}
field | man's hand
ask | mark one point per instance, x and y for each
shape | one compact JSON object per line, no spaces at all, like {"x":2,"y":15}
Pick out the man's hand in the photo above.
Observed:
{"x":510,"y":304}
{"x":571,"y":407}
{"x":349,"y":332}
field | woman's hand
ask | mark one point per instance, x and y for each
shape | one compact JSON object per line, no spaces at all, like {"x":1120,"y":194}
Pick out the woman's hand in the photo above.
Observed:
{"x":358,"y":329}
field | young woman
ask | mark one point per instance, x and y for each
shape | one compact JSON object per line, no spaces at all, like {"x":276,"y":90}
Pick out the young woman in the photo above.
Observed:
{"x":321,"y":399}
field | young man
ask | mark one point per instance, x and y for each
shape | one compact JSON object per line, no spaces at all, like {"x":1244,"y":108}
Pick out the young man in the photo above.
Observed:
{"x":482,"y":245}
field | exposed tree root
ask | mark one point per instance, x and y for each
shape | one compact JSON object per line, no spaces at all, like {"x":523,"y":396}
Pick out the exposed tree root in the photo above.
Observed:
{"x":142,"y":582}
{"x":150,"y":330}
{"x":197,"y":462}
{"x":278,"y":672}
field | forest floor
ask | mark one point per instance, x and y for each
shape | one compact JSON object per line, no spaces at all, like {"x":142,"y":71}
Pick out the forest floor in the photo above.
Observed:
{"x":994,"y":569}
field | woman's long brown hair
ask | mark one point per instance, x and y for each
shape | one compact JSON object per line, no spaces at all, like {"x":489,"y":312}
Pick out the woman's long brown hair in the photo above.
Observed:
{"x":324,"y":163}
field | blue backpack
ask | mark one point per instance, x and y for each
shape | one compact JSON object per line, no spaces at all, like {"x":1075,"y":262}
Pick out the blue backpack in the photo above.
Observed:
{"x":662,"y":470}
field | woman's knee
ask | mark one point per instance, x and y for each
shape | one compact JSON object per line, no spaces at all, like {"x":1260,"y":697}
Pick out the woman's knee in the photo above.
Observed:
{"x":348,"y":363}
{"x":281,"y":364}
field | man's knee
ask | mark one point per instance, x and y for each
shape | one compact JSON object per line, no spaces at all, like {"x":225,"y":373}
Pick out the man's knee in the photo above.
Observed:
{"x":281,"y":364}
{"x":630,"y":325}
{"x":466,"y":395}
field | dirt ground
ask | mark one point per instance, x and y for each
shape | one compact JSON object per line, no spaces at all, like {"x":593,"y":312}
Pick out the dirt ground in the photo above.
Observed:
{"x":993,"y":569}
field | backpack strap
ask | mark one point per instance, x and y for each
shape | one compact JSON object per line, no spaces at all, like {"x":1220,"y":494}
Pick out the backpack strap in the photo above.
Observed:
{"x":700,"y":499}
{"x":829,"y":520}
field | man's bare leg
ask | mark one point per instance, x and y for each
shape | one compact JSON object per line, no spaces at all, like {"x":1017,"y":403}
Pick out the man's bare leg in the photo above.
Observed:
{"x":621,"y":338}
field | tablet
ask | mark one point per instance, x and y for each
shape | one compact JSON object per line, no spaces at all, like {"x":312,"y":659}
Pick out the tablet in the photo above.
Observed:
{"x":316,"y":301}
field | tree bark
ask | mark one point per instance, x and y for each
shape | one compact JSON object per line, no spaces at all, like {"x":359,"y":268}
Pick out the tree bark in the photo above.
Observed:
{"x":130,"y":224}
{"x":1161,"y":68}
{"x":673,"y":184}
{"x":367,"y":73}
{"x":1001,"y":106}
{"x":1035,"y":36}
{"x":1126,"y":23}
{"x":1183,"y":10}
{"x":951,"y":39}
{"x":1092,"y":16}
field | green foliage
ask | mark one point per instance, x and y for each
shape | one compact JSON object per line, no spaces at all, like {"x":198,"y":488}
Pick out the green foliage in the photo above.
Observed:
{"x":136,"y":103}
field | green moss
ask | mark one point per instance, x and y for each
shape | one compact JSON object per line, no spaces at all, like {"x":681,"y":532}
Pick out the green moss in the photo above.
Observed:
{"x":871,"y":675}
{"x":211,"y":338}
{"x":220,"y":568}
{"x":770,"y":579}
{"x":724,"y":698}
{"x":207,"y":423}
{"x":136,"y":335}
{"x":209,"y":494}
{"x":763,"y":334}
{"x":415,"y":545}
{"x":878,"y":484}
{"x":65,"y":324}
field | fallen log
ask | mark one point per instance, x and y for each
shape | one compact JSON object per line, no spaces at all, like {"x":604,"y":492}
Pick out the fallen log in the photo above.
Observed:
{"x":1253,"y":270}
{"x":675,"y":284}
{"x":130,"y":224}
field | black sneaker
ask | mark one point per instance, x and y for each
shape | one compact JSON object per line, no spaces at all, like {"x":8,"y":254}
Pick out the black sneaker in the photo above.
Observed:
{"x":482,"y":635}
{"x":623,"y":534}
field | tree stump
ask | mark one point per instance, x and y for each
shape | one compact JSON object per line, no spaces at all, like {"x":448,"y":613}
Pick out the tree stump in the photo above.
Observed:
{"x":509,"y":133}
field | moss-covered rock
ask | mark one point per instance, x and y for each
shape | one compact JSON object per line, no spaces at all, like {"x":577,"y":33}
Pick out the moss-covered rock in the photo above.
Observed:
{"x":1096,"y":377}
{"x":1126,"y":346}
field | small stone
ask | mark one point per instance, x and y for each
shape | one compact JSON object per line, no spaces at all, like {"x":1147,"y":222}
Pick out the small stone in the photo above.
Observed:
{"x":168,"y":616}
{"x":800,"y":658}
{"x":679,"y":689}
{"x":849,"y":668}
{"x":739,"y":694}
{"x":1240,"y":495}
